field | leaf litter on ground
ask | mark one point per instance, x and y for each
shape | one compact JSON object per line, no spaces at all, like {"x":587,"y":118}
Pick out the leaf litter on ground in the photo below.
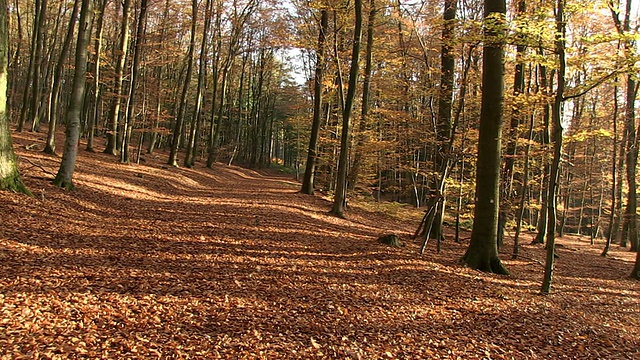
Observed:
{"x":148,"y":261}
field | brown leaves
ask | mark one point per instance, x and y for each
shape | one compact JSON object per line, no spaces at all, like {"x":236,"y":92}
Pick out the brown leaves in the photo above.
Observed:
{"x":234,"y":264}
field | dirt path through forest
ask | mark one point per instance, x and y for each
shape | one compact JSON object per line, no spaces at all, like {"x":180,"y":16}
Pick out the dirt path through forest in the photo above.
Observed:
{"x":146,"y":261}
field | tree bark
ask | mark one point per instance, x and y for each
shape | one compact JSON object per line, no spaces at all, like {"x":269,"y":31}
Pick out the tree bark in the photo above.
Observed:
{"x":482,"y":253}
{"x":444,"y":127}
{"x":341,"y":180}
{"x":9,"y":174}
{"x":190,"y":155}
{"x":546,"y":169}
{"x":97,"y":94}
{"x":54,"y":101}
{"x":182,"y":107}
{"x":310,"y":168}
{"x":135,"y":73}
{"x":514,"y":131}
{"x":74,"y":110}
{"x":33,"y":81}
{"x":557,"y":148}
{"x":121,"y":56}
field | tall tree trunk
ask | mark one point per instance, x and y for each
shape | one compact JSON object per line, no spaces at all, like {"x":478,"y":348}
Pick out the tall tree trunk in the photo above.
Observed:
{"x":54,"y":101}
{"x":135,"y":73}
{"x":444,"y":127}
{"x":506,"y":202}
{"x":630,"y":216}
{"x":546,"y":85}
{"x":97,"y":94}
{"x":614,"y":169}
{"x":482,"y":253}
{"x":190,"y":155}
{"x":524,"y":189}
{"x":310,"y":168}
{"x":36,"y":91}
{"x":74,"y":109}
{"x":177,"y":129}
{"x":557,"y":148}
{"x":9,"y":174}
{"x":33,"y":77}
{"x":366,"y":90}
{"x":159,"y":74}
{"x":341,"y":180}
{"x":121,"y":56}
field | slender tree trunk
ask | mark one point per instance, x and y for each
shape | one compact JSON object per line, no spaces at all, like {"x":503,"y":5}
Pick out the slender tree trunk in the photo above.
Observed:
{"x":159,"y":75}
{"x":33,"y":69}
{"x":354,"y":173}
{"x":16,"y":62}
{"x":341,"y":188}
{"x":54,"y":101}
{"x":121,"y":56}
{"x":310,"y":169}
{"x":177,"y":130}
{"x":523,"y":191}
{"x":482,"y":253}
{"x":97,"y":94}
{"x":135,"y":74}
{"x":557,"y":148}
{"x":74,"y":110}
{"x":189,"y":159}
{"x":444,"y":132}
{"x":546,"y":85}
{"x":614,"y":151}
{"x":631,"y":217}
{"x":506,"y":202}
{"x":36,"y":91}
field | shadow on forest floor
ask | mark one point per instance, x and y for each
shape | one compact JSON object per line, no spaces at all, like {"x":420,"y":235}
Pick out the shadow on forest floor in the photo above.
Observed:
{"x":142,"y":260}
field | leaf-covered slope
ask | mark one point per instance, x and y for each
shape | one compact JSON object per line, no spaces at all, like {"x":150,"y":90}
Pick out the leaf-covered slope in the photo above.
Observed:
{"x":143,"y":261}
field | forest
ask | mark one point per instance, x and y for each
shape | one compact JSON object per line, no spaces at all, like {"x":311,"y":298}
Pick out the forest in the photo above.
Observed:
{"x":213,"y":178}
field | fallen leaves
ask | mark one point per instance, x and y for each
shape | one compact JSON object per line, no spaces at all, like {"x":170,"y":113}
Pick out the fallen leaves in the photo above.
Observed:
{"x":233,"y":263}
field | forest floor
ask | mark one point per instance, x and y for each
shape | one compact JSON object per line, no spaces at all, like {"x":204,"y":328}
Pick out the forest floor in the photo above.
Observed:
{"x":148,"y":261}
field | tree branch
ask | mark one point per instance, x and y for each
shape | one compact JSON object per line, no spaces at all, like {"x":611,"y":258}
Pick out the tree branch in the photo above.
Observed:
{"x":592,"y":86}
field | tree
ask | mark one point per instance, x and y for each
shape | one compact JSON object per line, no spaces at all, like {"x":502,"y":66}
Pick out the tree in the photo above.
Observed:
{"x":177,"y":128}
{"x":121,"y":56}
{"x":97,"y":93}
{"x":557,"y":147}
{"x":482,"y":253}
{"x":9,"y":175}
{"x":135,"y":74}
{"x":307,"y":182}
{"x":31,"y":107}
{"x":513,"y":132}
{"x":74,"y":110}
{"x":54,"y":101}
{"x":444,"y":128}
{"x":190,"y":154}
{"x":366,"y":95}
{"x":341,"y":180}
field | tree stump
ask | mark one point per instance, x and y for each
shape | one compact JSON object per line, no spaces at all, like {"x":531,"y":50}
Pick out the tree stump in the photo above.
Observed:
{"x":391,"y":240}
